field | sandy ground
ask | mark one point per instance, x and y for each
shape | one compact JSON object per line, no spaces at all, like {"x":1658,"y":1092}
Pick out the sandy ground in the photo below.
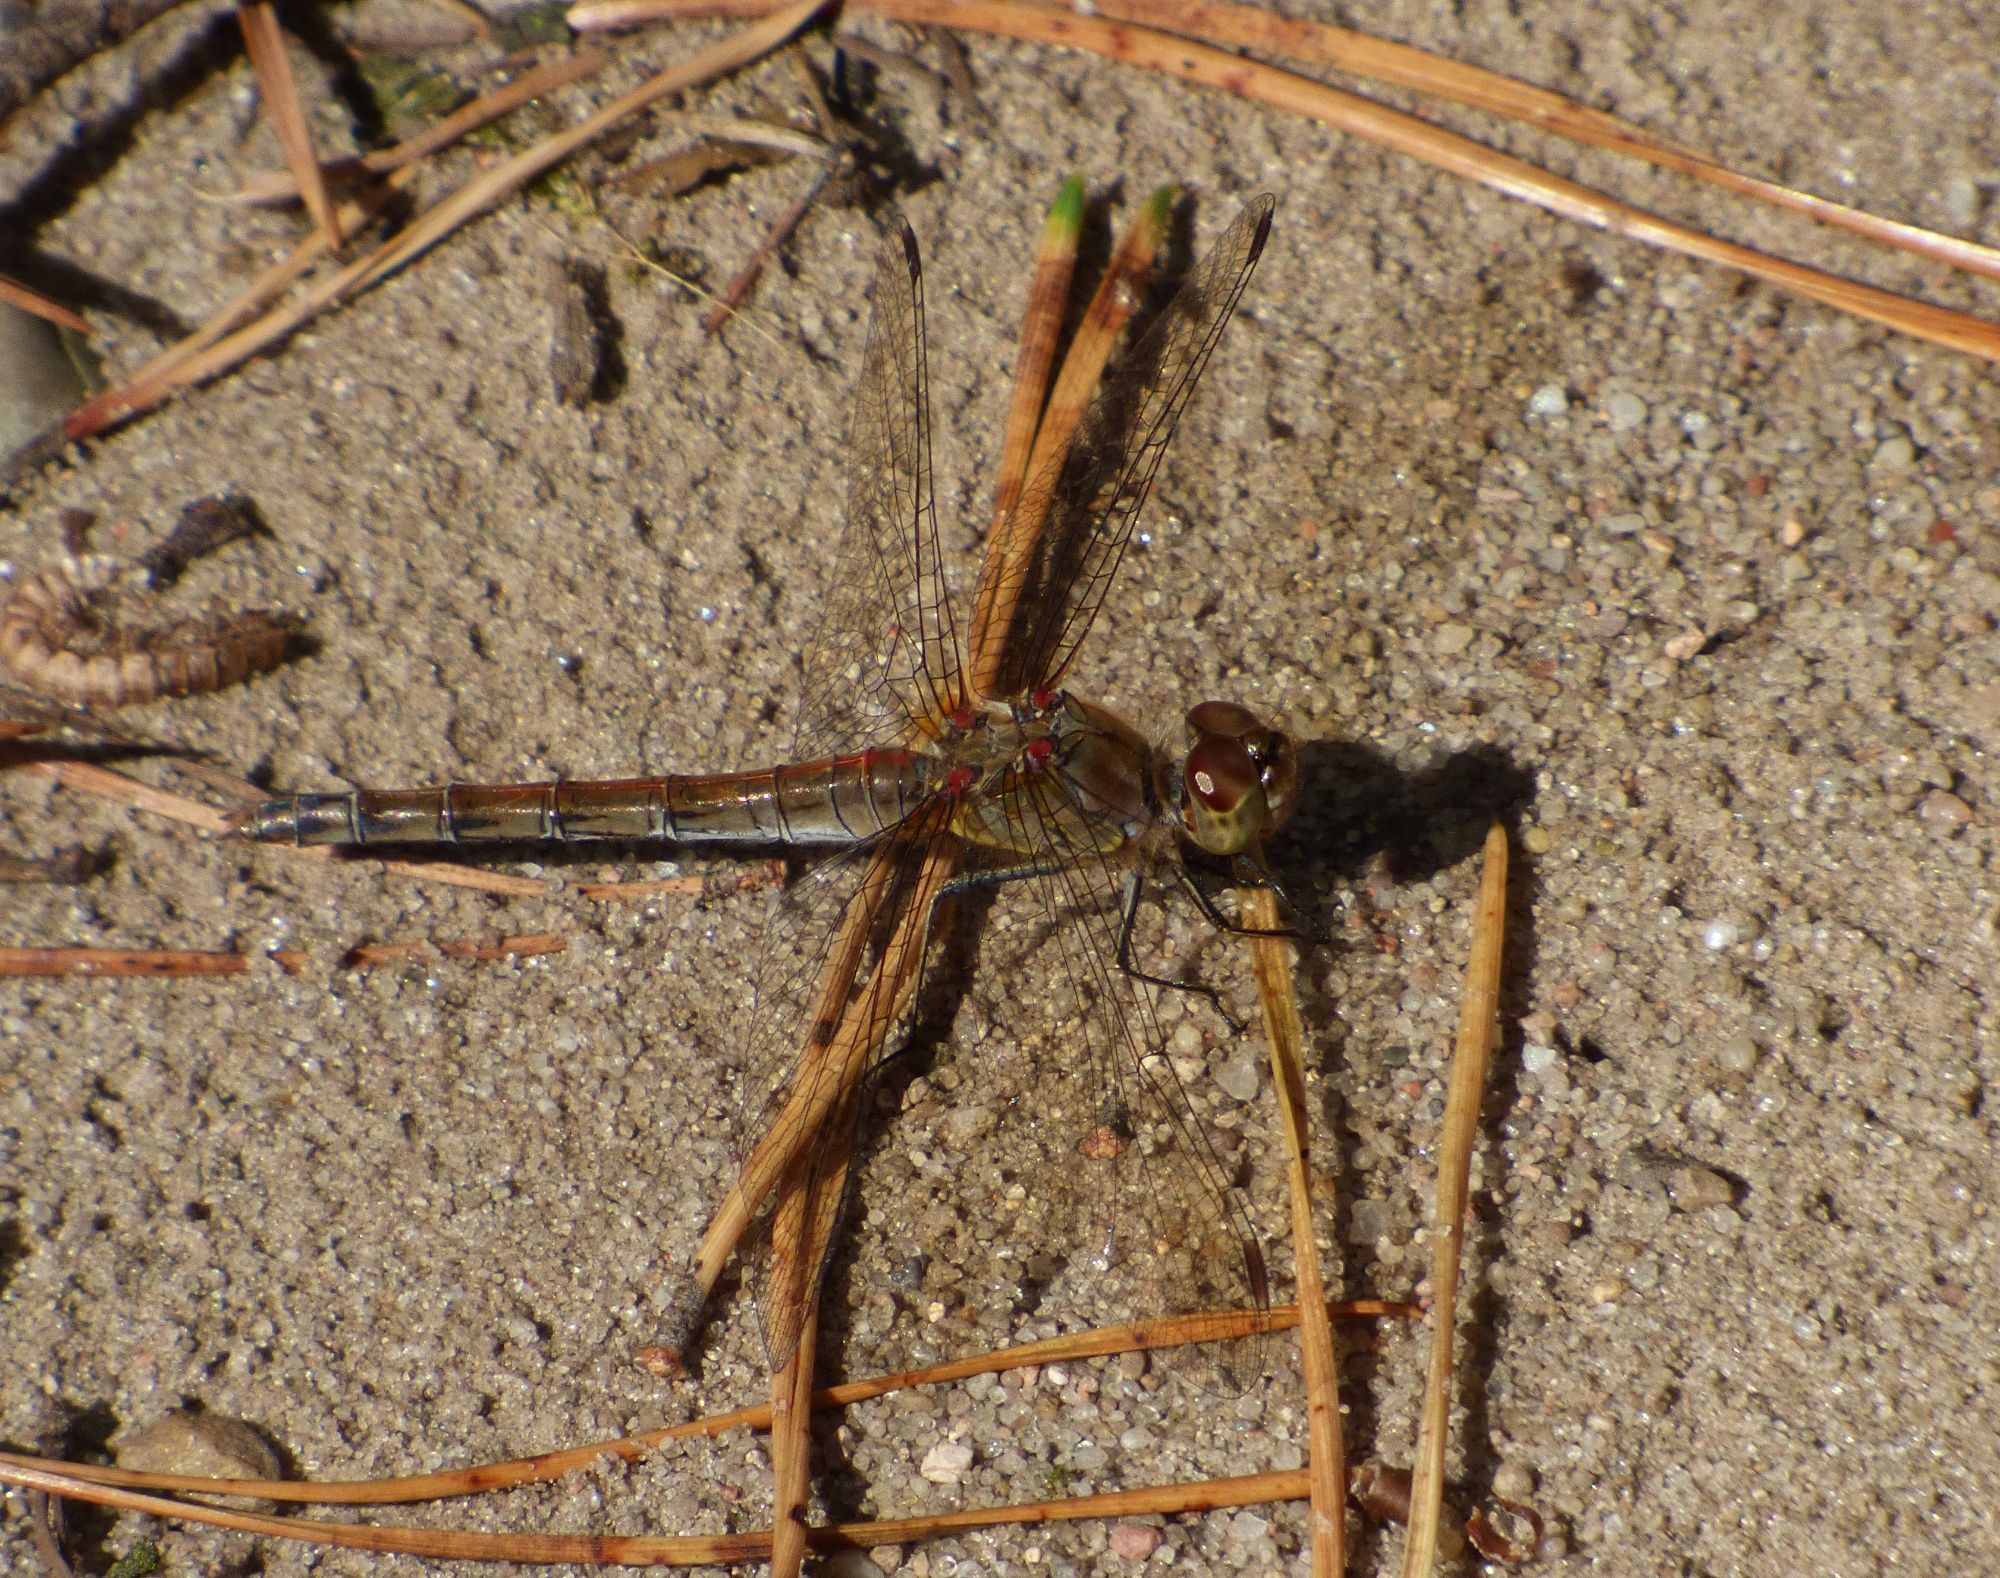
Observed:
{"x":1694,"y":583}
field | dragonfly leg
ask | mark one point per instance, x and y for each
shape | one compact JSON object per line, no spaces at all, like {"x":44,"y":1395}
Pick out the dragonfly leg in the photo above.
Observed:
{"x":1128,"y":915}
{"x":1221,"y":922}
{"x":1128,"y":911}
{"x":986,"y":879}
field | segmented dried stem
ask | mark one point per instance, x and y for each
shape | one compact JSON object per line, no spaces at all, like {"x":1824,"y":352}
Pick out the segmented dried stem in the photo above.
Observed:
{"x":1478,"y":1010}
{"x":1271,"y":959}
{"x":53,"y":640}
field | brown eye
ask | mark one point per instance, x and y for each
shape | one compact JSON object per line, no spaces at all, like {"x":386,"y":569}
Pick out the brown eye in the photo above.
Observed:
{"x":1220,"y":772}
{"x":1225,"y":718}
{"x":1223,"y":809}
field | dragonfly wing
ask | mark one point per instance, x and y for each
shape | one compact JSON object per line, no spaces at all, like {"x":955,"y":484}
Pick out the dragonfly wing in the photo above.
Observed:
{"x":882,"y":663}
{"x":1097,"y":491}
{"x":1068,"y":1121}
{"x":822,"y":984}
{"x":885,"y":655}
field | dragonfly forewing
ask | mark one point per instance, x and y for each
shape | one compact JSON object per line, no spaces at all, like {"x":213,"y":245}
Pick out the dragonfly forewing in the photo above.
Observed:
{"x":884,"y":658}
{"x":1102,"y":482}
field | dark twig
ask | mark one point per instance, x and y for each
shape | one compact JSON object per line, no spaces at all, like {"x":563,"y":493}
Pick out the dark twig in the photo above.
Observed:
{"x":780,"y":232}
{"x":66,"y":867}
{"x":205,"y":525}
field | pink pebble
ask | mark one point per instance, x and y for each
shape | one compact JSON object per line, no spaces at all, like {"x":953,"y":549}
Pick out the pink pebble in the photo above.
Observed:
{"x":1134,"y":1541}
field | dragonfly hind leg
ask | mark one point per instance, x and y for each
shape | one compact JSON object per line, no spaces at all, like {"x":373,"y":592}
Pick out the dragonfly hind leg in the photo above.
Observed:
{"x":1215,"y":917}
{"x":1128,"y":911}
{"x":1129,"y":915}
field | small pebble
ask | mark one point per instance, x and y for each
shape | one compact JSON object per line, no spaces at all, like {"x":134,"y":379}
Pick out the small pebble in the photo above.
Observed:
{"x":42,"y":381}
{"x":1943,"y":812}
{"x":1514,"y":1482}
{"x":1961,"y":202}
{"x":1721,"y":934}
{"x":946,"y":1463}
{"x":1537,"y":1058}
{"x":211,"y":1444}
{"x":1623,"y":411}
{"x":1792,"y":533}
{"x":1134,"y":1541}
{"x":1605,"y":1290}
{"x":1697,"y":1188}
{"x":1894,"y":454}
{"x":1686,"y":645}
{"x":964,"y":1125}
{"x":1623,"y":525}
{"x":1449,"y":640}
{"x":1238,"y":1077}
{"x":1367,"y":1220}
{"x":1537,"y":841}
{"x":1549,"y":400}
{"x":849,"y":1564}
{"x":1737,"y":1055}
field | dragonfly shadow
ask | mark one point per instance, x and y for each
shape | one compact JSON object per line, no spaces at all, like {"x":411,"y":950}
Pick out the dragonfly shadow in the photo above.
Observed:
{"x":1362,"y":816}
{"x":1364,"y":820}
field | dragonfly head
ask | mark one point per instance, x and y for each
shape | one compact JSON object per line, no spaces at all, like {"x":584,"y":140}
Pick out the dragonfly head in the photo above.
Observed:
{"x":1240,"y":778}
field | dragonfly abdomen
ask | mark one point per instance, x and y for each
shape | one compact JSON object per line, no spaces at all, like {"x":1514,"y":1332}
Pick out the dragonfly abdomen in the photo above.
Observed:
{"x":837,"y":801}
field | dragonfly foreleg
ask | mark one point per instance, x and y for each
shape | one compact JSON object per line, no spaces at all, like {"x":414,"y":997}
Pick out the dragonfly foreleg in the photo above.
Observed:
{"x":1128,"y":910}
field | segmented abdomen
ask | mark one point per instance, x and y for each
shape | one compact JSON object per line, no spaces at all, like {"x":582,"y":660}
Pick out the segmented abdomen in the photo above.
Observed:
{"x":837,"y":801}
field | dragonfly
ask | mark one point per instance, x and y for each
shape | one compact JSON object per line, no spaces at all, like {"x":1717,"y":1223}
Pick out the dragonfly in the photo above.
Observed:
{"x":927,"y":765}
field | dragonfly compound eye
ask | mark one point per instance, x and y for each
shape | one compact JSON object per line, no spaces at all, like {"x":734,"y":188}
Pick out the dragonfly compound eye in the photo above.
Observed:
{"x":1226,"y":718}
{"x":1278,"y":765}
{"x":1223,"y":806}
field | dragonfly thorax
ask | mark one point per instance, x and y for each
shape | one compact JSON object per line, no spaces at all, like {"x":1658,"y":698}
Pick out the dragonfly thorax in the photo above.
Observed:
{"x":1052,"y":774}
